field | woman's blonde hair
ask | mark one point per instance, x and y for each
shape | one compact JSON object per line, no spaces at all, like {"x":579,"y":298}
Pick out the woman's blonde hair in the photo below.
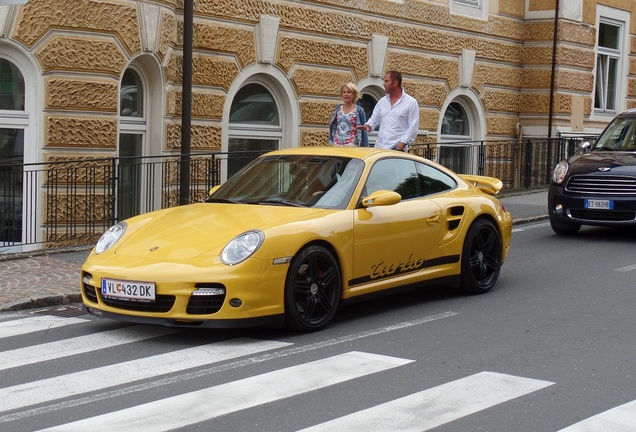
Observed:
{"x":353,"y":88}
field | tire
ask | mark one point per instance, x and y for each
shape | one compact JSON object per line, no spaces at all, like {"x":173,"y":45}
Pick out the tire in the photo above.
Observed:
{"x":564,"y":228}
{"x":481,"y":257}
{"x":312,"y":289}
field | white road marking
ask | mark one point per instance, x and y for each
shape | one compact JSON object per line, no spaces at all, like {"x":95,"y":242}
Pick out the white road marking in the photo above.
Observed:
{"x":79,"y":345}
{"x":74,"y":384}
{"x":627,"y":268}
{"x":436,"y":406}
{"x":35,"y":323}
{"x":619,"y":419}
{"x":200,"y":373}
{"x":183,"y":410}
{"x":530,"y":227}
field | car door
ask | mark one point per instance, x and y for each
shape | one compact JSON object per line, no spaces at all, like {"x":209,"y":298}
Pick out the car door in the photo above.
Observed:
{"x":394,"y":241}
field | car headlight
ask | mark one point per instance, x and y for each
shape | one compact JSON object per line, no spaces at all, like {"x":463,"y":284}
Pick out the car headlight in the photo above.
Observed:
{"x":242,"y":247}
{"x":110,"y":237}
{"x":558,"y":175}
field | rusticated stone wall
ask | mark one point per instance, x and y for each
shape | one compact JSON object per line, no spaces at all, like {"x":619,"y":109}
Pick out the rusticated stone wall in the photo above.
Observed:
{"x":82,"y":47}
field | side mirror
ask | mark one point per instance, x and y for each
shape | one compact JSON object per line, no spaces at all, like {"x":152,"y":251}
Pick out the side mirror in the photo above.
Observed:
{"x":381,"y":198}
{"x":585,"y":147}
{"x":213,"y":189}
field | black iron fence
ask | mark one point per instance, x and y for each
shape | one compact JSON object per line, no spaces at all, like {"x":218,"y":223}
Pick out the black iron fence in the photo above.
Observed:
{"x":70,"y":203}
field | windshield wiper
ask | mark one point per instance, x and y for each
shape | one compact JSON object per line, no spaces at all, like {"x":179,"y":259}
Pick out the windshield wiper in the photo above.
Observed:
{"x":603,"y":149}
{"x":220,"y":200}
{"x":276,"y":202}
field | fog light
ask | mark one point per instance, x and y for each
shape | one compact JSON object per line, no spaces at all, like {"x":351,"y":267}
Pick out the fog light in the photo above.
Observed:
{"x":209,"y":292}
{"x":236,"y":302}
{"x":558,"y":209}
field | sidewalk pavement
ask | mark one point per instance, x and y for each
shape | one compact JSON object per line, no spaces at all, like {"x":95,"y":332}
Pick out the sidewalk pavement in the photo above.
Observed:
{"x":45,"y":279}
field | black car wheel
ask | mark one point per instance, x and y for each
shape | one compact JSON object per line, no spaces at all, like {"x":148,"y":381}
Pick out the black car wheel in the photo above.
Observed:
{"x":563,"y":228}
{"x":312,"y":289}
{"x":481,"y":257}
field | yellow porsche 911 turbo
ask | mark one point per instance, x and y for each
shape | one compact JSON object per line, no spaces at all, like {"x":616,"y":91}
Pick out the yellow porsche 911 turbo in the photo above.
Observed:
{"x":295,"y":234}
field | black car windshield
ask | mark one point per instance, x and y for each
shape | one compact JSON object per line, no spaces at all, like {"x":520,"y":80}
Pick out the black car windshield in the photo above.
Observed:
{"x":293,"y":180}
{"x":620,"y":135}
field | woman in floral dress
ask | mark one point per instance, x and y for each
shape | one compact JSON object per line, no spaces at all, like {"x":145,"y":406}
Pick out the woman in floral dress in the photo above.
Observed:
{"x":345,"y":119}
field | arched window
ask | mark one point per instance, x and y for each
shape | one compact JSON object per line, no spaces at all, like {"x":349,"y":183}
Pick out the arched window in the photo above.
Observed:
{"x":456,"y":150}
{"x":13,"y":121}
{"x":255,"y":125}
{"x":369,"y":97}
{"x":132,"y":135}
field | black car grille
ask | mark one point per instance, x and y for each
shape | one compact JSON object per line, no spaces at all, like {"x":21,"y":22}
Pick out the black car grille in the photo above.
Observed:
{"x":603,"y":215}
{"x":89,"y":292}
{"x":206,"y":304}
{"x":162,"y":303}
{"x":602,"y":184}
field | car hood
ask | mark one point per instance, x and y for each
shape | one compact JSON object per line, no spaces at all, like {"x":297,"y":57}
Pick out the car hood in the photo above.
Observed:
{"x":611,"y":163}
{"x":185,"y":232}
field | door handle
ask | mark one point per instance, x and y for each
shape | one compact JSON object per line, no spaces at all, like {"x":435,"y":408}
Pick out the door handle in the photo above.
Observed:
{"x":432,"y":219}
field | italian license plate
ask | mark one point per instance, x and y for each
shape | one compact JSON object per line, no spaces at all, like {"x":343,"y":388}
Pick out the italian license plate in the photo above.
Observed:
{"x":128,"y":290}
{"x":599,"y":204}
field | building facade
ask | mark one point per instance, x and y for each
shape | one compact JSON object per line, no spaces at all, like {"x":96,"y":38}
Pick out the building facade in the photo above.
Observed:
{"x":84,"y":79}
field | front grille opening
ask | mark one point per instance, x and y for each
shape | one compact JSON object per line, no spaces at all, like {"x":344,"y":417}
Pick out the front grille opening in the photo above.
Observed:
{"x":206,"y":304}
{"x":602,"y":184}
{"x":603,"y":215}
{"x":162,"y":304}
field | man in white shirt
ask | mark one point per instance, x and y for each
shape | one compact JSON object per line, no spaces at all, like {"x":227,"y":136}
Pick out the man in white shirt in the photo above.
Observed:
{"x":397,"y":115}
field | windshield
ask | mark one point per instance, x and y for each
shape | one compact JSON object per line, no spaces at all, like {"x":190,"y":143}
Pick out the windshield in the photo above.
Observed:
{"x":620,"y":135}
{"x":294,"y":180}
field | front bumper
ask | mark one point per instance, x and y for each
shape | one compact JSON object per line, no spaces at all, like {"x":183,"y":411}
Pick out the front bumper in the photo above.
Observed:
{"x":253,"y":292}
{"x":570,"y":208}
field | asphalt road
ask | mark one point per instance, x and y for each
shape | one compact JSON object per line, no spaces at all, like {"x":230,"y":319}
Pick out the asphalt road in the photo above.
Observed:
{"x":553,"y":344}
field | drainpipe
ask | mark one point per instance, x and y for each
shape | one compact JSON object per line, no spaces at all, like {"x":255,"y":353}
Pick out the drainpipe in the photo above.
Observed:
{"x":554,"y":54}
{"x":186,"y":106}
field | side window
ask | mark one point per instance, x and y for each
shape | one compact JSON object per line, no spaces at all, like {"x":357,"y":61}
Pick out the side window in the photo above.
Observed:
{"x":608,"y":58}
{"x":398,"y":175}
{"x":432,"y":181}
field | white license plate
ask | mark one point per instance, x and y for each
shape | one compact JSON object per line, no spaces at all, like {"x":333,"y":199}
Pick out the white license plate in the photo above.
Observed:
{"x":599,"y":204}
{"x":129,"y":290}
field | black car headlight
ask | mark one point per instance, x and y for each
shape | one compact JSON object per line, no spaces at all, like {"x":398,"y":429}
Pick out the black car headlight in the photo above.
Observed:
{"x":110,"y":237}
{"x":559,"y":173}
{"x":242,"y":247}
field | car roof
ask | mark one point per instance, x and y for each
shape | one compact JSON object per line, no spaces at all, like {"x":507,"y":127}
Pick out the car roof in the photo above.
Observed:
{"x":354,"y":152}
{"x":628,"y":113}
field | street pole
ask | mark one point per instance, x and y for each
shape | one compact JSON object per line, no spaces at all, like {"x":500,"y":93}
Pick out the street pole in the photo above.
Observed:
{"x":186,"y":107}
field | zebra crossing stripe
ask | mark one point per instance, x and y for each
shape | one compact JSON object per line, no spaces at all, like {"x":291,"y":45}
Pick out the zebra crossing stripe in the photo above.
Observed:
{"x":436,"y":406}
{"x":79,"y":345}
{"x":34,"y":323}
{"x":194,"y":407}
{"x":619,"y":419}
{"x":100,"y":378}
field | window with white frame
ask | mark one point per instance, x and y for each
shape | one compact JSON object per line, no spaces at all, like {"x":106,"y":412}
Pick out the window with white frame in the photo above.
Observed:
{"x":13,"y":122}
{"x":255,"y":125}
{"x":471,"y":8}
{"x":132,"y":133}
{"x":608,"y":66}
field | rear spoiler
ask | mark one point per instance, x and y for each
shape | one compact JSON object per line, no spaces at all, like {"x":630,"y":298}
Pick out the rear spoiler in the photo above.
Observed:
{"x":489,"y":185}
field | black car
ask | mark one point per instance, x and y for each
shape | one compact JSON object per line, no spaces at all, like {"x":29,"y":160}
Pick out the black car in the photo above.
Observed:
{"x":597,"y":187}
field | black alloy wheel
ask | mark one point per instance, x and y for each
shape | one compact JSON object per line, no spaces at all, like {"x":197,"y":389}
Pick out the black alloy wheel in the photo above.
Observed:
{"x":481,"y":257}
{"x":312,"y":289}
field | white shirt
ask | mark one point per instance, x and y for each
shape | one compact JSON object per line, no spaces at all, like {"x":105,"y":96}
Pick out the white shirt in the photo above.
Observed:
{"x":397,"y":123}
